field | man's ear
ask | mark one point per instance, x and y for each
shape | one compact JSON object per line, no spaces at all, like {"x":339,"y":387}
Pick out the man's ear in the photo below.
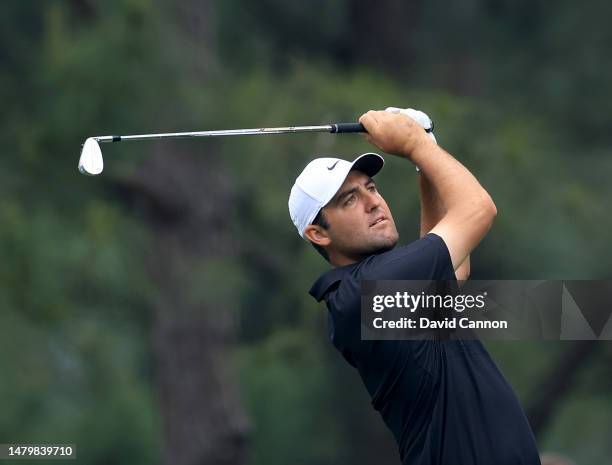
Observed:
{"x":316,"y":234}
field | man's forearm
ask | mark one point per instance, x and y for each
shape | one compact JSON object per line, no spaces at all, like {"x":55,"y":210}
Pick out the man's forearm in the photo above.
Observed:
{"x":432,"y":211}
{"x":453,"y":182}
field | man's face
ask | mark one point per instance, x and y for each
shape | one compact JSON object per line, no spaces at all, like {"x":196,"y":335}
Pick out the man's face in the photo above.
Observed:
{"x":360,"y":222}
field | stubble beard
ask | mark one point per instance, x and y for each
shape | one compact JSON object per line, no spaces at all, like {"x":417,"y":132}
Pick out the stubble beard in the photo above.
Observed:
{"x":374,"y":247}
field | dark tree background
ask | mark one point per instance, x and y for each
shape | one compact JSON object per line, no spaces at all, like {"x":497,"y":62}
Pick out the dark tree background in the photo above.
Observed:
{"x":158,"y":313}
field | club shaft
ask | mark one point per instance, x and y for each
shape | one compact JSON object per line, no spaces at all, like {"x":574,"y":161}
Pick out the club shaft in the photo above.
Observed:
{"x":228,"y":132}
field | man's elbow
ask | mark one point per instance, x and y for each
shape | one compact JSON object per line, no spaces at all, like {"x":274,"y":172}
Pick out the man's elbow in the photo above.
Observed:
{"x":462,"y":273}
{"x":483,"y":214}
{"x":489,"y":210}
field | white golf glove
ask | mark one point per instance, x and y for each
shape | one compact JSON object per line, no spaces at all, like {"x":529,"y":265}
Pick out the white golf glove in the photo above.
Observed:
{"x":421,"y":118}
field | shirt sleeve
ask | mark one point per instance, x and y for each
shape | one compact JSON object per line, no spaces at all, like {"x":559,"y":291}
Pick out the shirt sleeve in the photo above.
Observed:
{"x":425,"y":259}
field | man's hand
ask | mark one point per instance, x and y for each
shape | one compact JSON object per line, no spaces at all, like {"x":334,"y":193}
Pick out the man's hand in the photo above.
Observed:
{"x":394,"y":133}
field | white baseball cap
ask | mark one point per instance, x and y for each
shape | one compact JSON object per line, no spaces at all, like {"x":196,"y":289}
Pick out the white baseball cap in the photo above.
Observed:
{"x":319,"y":182}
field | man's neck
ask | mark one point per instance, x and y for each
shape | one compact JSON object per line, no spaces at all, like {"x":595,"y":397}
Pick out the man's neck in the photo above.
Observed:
{"x":344,"y":260}
{"x":338,"y":260}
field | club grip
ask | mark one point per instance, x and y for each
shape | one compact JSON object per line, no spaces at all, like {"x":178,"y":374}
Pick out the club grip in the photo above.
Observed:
{"x":338,"y":128}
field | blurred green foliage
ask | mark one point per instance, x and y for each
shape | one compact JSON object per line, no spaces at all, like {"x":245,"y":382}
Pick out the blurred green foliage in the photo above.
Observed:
{"x":519,"y":92}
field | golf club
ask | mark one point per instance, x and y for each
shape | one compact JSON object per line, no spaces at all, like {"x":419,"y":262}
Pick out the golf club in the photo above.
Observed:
{"x":92,"y":163}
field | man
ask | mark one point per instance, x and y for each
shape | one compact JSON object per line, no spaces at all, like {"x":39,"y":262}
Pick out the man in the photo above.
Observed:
{"x":445,"y":401}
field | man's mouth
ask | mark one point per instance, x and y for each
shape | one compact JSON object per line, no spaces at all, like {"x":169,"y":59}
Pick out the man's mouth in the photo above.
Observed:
{"x":378,"y":220}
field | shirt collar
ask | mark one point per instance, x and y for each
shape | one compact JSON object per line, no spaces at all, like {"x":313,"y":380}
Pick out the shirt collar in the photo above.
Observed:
{"x":328,"y":279}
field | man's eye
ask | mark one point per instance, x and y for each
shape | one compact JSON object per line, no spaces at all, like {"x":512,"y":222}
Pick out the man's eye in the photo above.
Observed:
{"x":349,"y":200}
{"x":372,"y":188}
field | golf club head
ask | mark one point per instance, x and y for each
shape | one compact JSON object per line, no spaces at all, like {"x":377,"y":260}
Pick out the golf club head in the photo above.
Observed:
{"x":91,"y":162}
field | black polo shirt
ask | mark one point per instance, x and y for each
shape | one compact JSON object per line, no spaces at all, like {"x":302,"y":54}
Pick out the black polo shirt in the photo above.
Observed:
{"x":445,"y":401}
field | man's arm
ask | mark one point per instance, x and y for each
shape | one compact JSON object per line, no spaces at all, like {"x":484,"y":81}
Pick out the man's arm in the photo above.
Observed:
{"x":432,"y":211}
{"x":469,"y":210}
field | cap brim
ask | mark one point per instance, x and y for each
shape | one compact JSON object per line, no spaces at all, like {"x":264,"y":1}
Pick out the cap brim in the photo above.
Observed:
{"x":369,"y":163}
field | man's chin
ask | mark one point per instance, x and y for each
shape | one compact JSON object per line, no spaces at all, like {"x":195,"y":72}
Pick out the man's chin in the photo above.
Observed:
{"x":383,"y":246}
{"x":374,"y":247}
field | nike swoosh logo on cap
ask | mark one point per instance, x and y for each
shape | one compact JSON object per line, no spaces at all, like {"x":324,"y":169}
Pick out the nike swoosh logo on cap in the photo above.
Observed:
{"x":332,"y":166}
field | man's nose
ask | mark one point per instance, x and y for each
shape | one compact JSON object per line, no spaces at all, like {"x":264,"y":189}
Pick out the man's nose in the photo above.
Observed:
{"x":372,"y":201}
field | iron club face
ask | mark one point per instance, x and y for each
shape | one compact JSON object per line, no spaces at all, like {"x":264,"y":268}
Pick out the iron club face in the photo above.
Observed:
{"x":91,"y":162}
